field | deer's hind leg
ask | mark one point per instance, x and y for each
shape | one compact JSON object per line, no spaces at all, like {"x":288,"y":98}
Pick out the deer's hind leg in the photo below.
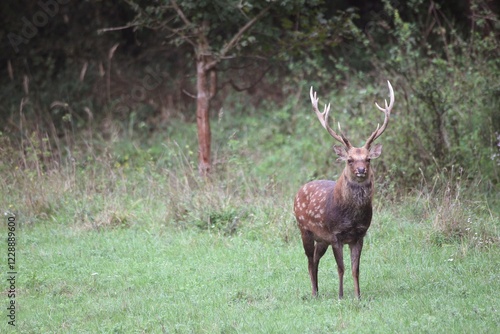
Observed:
{"x":314,"y":251}
{"x":319,"y":250}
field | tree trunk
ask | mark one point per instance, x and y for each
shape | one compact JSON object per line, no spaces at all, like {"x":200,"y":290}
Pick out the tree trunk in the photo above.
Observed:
{"x":202,"y":116}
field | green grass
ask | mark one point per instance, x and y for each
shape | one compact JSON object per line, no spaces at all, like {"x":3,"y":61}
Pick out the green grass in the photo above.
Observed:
{"x":125,"y":237}
{"x":152,"y":278}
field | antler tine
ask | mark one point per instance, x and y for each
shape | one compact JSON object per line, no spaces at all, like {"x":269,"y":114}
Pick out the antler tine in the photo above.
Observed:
{"x":387,"y":113}
{"x":391,"y":96}
{"x":323,"y":118}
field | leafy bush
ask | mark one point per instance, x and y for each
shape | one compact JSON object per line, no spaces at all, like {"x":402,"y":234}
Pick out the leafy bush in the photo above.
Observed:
{"x":78,"y":160}
{"x":448,"y":93}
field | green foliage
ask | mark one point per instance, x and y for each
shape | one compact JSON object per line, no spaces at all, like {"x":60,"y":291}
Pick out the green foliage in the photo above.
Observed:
{"x":224,"y":253}
{"x":218,"y":20}
{"x":448,"y":94}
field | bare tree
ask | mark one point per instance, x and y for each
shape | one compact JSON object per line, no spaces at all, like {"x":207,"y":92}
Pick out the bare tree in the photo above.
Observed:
{"x":193,"y":26}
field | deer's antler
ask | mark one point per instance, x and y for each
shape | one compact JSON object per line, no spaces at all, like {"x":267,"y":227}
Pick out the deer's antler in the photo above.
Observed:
{"x":323,"y":119}
{"x":387,"y":112}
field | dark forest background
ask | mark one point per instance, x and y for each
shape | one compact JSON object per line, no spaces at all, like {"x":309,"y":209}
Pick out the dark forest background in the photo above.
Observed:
{"x":75,"y":65}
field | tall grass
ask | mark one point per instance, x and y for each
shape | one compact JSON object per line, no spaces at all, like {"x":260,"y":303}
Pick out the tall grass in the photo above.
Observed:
{"x":96,"y":183}
{"x":121,"y":234}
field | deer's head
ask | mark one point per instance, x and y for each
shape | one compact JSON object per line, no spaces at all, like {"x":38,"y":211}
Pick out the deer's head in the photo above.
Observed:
{"x":357,"y":158}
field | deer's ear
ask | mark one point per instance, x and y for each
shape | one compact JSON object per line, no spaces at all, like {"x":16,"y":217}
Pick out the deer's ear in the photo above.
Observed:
{"x":341,"y":152}
{"x":375,"y":151}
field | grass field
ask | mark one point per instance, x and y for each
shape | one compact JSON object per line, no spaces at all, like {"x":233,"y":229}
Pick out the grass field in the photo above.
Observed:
{"x":151,"y":278}
{"x":126,"y":238}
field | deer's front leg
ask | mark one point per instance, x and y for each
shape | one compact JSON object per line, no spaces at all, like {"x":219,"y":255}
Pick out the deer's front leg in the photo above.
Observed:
{"x":339,"y":258}
{"x":355,"y":258}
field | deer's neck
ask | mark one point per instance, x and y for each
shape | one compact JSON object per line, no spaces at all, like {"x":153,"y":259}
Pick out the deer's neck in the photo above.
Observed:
{"x":353,"y":193}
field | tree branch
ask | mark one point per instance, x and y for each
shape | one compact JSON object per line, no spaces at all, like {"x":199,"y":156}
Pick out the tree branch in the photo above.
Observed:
{"x":100,"y":31}
{"x":189,"y":94}
{"x":236,"y":38}
{"x":180,"y":13}
{"x":252,"y":85}
{"x":179,"y":33}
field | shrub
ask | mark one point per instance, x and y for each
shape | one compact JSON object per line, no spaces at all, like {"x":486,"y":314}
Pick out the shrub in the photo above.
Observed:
{"x":448,"y":92}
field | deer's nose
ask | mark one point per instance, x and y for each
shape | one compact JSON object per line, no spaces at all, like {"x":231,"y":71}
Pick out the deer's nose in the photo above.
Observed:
{"x":361,"y":170}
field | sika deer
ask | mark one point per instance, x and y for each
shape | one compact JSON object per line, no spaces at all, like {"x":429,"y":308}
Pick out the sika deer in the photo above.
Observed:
{"x":339,"y":213}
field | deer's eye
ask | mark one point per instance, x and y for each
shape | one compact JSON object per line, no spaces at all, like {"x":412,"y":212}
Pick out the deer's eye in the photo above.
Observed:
{"x":368,"y":160}
{"x":350,"y":161}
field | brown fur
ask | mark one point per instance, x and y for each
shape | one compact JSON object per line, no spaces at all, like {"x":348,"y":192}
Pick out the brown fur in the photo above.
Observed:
{"x":337,"y":213}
